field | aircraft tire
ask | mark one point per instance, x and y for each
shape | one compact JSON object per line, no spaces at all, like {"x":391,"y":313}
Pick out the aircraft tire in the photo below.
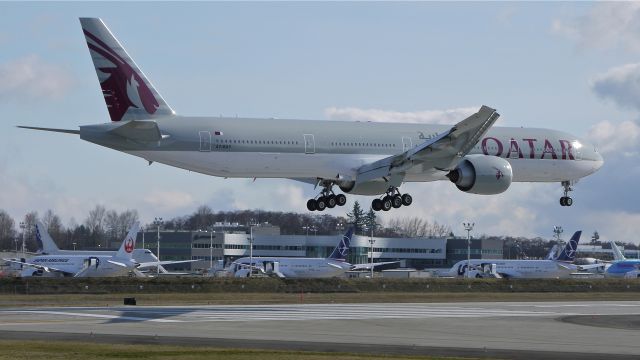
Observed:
{"x":312,"y":205}
{"x":407,"y":200}
{"x":396,"y":201}
{"x":341,"y":199}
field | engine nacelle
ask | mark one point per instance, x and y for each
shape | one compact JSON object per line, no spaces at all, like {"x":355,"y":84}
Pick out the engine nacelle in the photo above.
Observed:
{"x":374,"y":187}
{"x":482,"y":174}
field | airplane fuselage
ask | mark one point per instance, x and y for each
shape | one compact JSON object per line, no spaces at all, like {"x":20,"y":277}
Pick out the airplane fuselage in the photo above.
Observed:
{"x":308,"y":149}
{"x":96,"y":265}
{"x":534,"y":269}
{"x":295,"y":267}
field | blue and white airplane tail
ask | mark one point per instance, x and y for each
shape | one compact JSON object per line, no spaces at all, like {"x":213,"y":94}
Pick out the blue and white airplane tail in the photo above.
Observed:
{"x":568,"y":254}
{"x":46,"y":245}
{"x":341,"y":252}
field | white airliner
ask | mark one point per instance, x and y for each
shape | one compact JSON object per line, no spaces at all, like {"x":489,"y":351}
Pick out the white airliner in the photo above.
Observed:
{"x":359,"y":158}
{"x":49,"y":247}
{"x":620,"y":267}
{"x":300,"y":267}
{"x":560,"y":267}
{"x":94,"y":264}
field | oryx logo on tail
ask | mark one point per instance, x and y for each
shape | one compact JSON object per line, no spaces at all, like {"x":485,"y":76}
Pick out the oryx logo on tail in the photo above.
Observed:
{"x":127,"y":93}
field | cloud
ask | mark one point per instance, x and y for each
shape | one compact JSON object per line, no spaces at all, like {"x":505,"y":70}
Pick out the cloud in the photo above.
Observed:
{"x":32,"y":78}
{"x":169,"y":201}
{"x":616,"y":138}
{"x":606,"y":25}
{"x":620,"y":84}
{"x":443,"y":117}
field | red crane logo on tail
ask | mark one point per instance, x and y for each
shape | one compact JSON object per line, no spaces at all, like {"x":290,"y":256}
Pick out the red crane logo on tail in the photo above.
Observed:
{"x":128,"y":245}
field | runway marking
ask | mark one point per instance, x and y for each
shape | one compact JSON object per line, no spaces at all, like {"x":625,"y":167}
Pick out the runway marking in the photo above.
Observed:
{"x":286,"y":313}
{"x":102,"y":316}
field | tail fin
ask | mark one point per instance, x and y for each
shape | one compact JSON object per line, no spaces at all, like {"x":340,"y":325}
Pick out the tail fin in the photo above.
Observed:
{"x":127,"y":91}
{"x":45,"y":242}
{"x":126,"y":249}
{"x":569,"y":251}
{"x":617,"y":254}
{"x":552,"y":253}
{"x":342,"y":249}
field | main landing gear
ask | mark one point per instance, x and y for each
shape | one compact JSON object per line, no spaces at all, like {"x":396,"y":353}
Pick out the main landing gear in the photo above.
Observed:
{"x":392,"y":199}
{"x":326,"y":199}
{"x":566,"y":200}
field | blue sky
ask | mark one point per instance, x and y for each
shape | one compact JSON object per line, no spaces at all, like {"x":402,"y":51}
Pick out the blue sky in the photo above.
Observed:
{"x":568,"y":66}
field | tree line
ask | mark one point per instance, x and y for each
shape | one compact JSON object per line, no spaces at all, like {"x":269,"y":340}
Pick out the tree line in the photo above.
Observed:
{"x":106,"y":228}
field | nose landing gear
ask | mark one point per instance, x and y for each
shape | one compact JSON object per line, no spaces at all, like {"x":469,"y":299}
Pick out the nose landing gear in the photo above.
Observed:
{"x":566,"y":200}
{"x":326,"y":199}
{"x":392,"y":199}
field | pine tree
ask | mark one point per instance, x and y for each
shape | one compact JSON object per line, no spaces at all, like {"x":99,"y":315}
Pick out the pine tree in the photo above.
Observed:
{"x":356,"y":217}
{"x":370,"y":220}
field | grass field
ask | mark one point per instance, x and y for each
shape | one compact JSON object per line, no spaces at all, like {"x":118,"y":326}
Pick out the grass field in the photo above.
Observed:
{"x":15,"y":350}
{"x":281,"y":298}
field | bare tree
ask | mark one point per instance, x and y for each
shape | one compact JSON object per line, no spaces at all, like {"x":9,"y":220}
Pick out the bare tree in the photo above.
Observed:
{"x":7,"y":230}
{"x":53,"y":224}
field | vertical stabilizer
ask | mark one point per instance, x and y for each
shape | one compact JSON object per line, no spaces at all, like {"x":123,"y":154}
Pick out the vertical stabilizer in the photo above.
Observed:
{"x":46,"y":244}
{"x":552,"y":253}
{"x":569,"y":251}
{"x":128,"y":93}
{"x":617,"y":254}
{"x":126,"y":249}
{"x":341,"y":252}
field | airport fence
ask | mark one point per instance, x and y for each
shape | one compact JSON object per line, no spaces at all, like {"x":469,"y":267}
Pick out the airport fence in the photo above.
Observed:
{"x":275,"y":285}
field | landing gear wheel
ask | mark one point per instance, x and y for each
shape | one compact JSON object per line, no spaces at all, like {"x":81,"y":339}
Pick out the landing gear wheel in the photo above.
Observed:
{"x":376,"y":204}
{"x":321,"y":203}
{"x":396,"y":201}
{"x":331,"y":201}
{"x":312,"y":205}
{"x":406,"y":199}
{"x":341,"y":200}
{"x":568,"y":201}
{"x":386,"y":203}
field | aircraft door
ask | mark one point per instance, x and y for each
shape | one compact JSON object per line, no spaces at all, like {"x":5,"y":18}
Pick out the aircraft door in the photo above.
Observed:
{"x":205,"y":141}
{"x":406,"y":143}
{"x":309,"y":144}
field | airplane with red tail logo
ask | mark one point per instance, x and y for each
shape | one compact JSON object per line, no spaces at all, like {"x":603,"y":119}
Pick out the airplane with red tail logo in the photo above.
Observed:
{"x":360,"y":158}
{"x":70,"y":263}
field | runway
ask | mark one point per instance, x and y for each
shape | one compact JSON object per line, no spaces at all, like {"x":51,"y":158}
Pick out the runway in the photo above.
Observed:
{"x":506,"y":329}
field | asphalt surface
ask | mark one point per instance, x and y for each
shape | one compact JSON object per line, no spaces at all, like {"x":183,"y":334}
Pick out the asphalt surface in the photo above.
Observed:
{"x":534,"y":330}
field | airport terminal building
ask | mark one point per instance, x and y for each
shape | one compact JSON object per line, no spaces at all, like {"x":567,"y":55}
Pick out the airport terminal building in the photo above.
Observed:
{"x":228,"y":242}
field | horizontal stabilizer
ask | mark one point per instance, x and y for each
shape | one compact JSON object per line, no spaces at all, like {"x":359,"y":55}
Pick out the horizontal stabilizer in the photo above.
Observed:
{"x":139,"y":130}
{"x":66,"y":131}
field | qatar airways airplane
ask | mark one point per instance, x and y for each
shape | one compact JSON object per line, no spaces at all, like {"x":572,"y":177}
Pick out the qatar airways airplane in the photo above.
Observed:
{"x":361,"y":158}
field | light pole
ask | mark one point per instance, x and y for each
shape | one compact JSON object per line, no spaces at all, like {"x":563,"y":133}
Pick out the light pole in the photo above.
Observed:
{"x":23,"y":226}
{"x":251,"y":225}
{"x":74,"y":246}
{"x":16,"y":241}
{"x":557,"y":230}
{"x":158,"y":222}
{"x":143,"y":237}
{"x":371,"y":242}
{"x":211,"y":248}
{"x":468,"y":227}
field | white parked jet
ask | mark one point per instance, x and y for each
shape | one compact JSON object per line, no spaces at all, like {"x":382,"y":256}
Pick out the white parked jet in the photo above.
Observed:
{"x":560,"y":267}
{"x":360,"y":158}
{"x":300,"y":267}
{"x":49,"y":247}
{"x":96,"y":264}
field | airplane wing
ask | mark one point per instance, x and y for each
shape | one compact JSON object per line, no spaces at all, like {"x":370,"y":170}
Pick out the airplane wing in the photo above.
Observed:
{"x":591,"y":266}
{"x":156,"y":263}
{"x":368,"y":266}
{"x":38,"y":266}
{"x":441,"y":152}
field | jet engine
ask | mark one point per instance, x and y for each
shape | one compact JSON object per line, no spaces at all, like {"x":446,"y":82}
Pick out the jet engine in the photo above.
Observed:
{"x":482,"y":174}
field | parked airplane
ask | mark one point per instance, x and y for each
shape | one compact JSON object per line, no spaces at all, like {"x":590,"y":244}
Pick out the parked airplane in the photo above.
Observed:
{"x":300,"y":267}
{"x":557,"y":268}
{"x":49,"y":247}
{"x":96,"y":264}
{"x":360,"y":158}
{"x":620,"y":266}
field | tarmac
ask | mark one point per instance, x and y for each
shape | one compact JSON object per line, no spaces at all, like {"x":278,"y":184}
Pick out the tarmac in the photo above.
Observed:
{"x":533,"y":330}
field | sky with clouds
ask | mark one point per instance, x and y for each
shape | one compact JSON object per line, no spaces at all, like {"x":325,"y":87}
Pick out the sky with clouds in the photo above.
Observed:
{"x":569,"y":66}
